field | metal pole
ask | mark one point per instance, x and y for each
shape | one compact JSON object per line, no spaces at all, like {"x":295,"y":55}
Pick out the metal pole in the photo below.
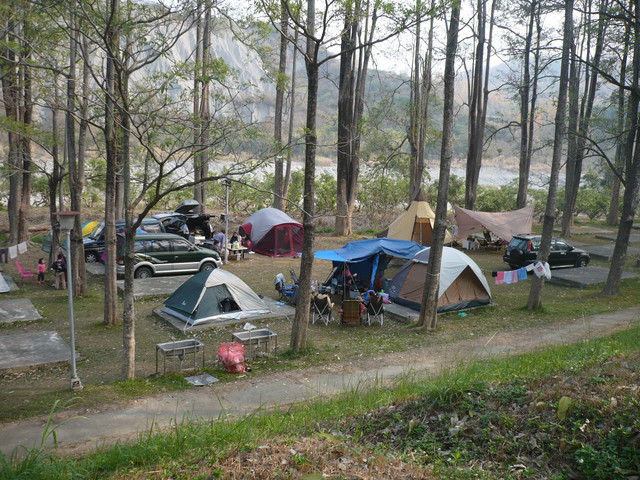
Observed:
{"x":76,"y":384}
{"x":227,"y":183}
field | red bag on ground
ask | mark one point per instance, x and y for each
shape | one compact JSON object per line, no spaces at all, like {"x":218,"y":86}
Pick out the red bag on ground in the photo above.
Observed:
{"x":231,"y":355}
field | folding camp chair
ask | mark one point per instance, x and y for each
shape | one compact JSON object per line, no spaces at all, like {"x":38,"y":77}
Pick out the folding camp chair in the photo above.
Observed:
{"x":375,"y":309}
{"x":321,"y":307}
{"x":294,"y":277}
{"x":287,"y":292}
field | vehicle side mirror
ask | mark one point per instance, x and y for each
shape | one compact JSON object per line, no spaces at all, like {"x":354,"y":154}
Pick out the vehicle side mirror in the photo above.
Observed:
{"x":570,"y":247}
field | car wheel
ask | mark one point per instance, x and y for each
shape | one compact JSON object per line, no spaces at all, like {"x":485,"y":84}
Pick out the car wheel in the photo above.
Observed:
{"x":206,"y":267}
{"x":143,"y":272}
{"x":581,"y":262}
{"x":91,"y":257}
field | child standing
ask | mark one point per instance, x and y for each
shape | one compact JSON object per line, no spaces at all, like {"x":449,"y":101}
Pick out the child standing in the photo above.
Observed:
{"x":42,"y":269}
{"x":59,"y":268}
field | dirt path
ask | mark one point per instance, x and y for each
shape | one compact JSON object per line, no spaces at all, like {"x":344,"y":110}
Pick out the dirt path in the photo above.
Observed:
{"x":242,"y":397}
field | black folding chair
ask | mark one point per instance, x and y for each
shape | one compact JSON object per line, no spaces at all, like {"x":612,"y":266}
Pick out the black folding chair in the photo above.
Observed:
{"x":321,"y":307}
{"x":294,"y":277}
{"x":375,"y":309}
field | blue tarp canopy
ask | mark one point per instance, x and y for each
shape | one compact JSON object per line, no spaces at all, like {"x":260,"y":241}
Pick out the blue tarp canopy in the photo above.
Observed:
{"x":363,"y":256}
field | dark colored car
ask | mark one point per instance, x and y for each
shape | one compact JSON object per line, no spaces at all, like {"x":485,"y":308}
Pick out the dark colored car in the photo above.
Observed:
{"x":523,"y":250}
{"x":165,"y":253}
{"x":94,"y":243}
{"x":183,"y":221}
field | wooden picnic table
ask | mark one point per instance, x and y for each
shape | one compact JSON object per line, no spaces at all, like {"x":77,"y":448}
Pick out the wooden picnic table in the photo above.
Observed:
{"x":238,"y":251}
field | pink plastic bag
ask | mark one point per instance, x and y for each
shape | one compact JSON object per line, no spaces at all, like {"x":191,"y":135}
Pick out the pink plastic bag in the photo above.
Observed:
{"x":231,"y":355}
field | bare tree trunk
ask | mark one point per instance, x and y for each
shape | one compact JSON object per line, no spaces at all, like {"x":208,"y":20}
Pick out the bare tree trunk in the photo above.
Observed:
{"x":197,"y":118}
{"x":572,"y":140}
{"x":525,"y":89}
{"x":10,"y":95}
{"x":205,"y":107}
{"x":429,"y":306}
{"x":415,"y":102}
{"x":110,"y":290}
{"x":26,"y":118}
{"x":75,"y":182}
{"x":301,"y":318}
{"x":573,"y":183}
{"x":80,"y":283}
{"x":632,"y":174}
{"x":353,"y":80}
{"x":278,"y":201}
{"x":54,"y":179}
{"x":474,"y":153}
{"x":345,"y":119}
{"x":292,"y":111}
{"x":128,"y":309}
{"x":614,"y":205}
{"x":537,"y":283}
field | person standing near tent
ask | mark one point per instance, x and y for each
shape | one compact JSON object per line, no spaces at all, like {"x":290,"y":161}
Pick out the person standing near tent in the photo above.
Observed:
{"x":221,"y":238}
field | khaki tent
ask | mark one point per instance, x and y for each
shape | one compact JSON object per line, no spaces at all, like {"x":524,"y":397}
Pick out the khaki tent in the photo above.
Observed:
{"x":503,"y":224}
{"x":415,"y":224}
{"x":462,"y":283}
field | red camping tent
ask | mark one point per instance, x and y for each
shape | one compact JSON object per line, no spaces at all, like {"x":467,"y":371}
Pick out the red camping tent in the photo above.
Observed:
{"x":273,"y":233}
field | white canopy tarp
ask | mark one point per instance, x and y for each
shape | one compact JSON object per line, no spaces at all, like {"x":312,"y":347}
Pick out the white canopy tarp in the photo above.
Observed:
{"x":502,"y":224}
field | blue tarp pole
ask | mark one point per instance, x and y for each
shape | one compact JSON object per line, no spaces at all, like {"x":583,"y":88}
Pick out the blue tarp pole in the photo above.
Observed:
{"x":373,"y":270}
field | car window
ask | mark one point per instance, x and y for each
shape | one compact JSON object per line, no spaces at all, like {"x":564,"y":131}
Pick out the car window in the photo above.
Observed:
{"x":180,"y":246}
{"x":140,"y":246}
{"x":518,"y":243}
{"x":158,"y":246}
{"x":560,"y":245}
{"x":152,"y":227}
{"x":535,"y":244}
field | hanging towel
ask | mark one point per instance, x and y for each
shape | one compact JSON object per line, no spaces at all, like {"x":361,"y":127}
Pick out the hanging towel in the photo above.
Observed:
{"x":514,"y":276}
{"x":538,"y":269}
{"x":4,"y":255}
{"x":508,"y":277}
{"x":529,"y":267}
{"x":522,"y":273}
{"x":22,"y":247}
{"x":547,"y":271}
{"x":499,"y":278}
{"x":13,"y":251}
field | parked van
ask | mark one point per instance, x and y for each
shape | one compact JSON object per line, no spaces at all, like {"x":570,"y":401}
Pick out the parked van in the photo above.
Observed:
{"x":166,"y":253}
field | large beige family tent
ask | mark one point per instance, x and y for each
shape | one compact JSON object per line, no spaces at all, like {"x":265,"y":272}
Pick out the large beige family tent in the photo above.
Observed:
{"x":415,"y":224}
{"x":462,"y":283}
{"x":503,"y":224}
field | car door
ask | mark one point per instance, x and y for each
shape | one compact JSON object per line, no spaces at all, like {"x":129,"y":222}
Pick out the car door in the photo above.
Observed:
{"x":158,"y":252}
{"x":560,"y":253}
{"x":186,"y":258}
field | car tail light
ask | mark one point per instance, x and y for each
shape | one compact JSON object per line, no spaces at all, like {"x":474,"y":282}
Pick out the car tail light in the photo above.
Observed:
{"x":120,"y":261}
{"x":528,"y":246}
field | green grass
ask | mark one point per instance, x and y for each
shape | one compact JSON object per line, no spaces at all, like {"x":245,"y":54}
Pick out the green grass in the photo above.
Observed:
{"x":189,"y":443}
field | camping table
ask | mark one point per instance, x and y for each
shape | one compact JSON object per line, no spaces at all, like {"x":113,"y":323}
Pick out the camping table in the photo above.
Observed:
{"x":255,"y":340}
{"x":237,"y":251}
{"x":179,"y":349}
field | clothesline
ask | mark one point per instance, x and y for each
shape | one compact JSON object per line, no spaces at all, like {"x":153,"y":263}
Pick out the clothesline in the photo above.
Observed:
{"x":514,"y":276}
{"x":12,"y":252}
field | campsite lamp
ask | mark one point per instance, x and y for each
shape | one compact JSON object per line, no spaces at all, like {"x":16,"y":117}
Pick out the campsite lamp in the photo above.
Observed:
{"x":226,"y":181}
{"x":67,"y":221}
